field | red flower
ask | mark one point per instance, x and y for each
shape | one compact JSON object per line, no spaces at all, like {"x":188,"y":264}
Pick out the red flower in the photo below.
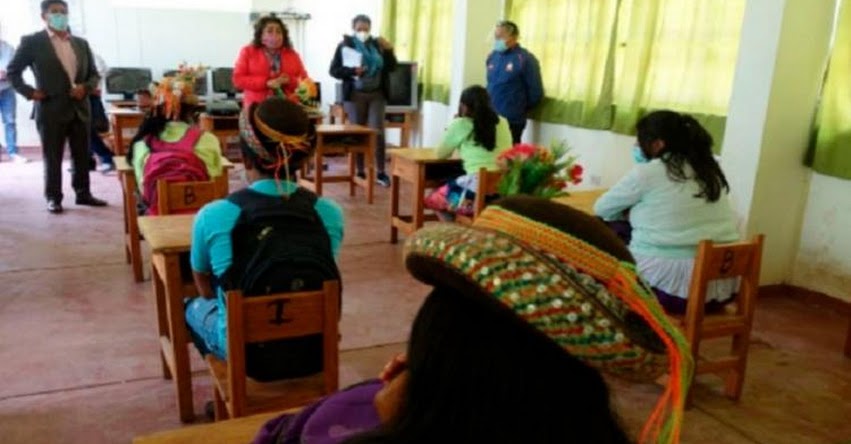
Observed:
{"x":576,"y":174}
{"x":521,"y":151}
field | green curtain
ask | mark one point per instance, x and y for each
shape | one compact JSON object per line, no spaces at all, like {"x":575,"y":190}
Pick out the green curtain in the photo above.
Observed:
{"x":830,"y":152}
{"x":606,"y":63}
{"x":421,"y":31}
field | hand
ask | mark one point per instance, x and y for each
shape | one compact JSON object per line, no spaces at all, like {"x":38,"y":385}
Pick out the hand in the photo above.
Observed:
{"x":274,"y":83}
{"x":359,"y":71}
{"x":384,"y":44}
{"x":38,"y":95}
{"x":285,"y":79}
{"x":78,"y":92}
{"x":393,"y":368}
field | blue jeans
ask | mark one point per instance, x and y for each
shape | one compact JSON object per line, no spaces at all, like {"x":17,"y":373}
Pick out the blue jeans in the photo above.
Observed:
{"x":98,"y":148}
{"x":8,"y":105}
{"x":202,"y":318}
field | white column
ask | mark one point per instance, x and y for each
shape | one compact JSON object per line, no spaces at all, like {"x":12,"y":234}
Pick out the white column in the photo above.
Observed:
{"x":784,"y":46}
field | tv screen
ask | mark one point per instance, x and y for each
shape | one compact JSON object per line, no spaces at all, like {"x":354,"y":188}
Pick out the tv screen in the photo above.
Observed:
{"x":223,"y":82}
{"x":402,"y":92}
{"x":126,"y":81}
{"x":200,"y":83}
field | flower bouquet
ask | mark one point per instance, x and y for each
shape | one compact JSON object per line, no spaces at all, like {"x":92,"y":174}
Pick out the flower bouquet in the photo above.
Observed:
{"x":538,"y":171}
{"x":178,"y":88}
{"x":305,"y":94}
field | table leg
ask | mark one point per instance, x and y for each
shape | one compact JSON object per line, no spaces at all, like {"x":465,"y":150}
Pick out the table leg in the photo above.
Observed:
{"x":162,"y":315}
{"x":179,"y":336}
{"x":352,"y":169}
{"x":419,"y":197}
{"x":118,"y":136}
{"x":370,"y":168}
{"x":317,"y":168}
{"x":395,"y":184}
{"x":132,"y":239}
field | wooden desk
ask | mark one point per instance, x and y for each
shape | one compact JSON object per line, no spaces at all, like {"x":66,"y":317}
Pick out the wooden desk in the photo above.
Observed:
{"x":582,"y":200}
{"x":401,"y":120}
{"x":129,"y":187}
{"x":232,"y":431}
{"x":422,"y":168}
{"x":343,"y":139}
{"x":169,"y":236}
{"x":121,"y":120}
{"x":223,"y":127}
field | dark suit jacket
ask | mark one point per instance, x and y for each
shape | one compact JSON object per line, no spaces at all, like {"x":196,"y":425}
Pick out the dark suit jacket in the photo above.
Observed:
{"x":36,"y":52}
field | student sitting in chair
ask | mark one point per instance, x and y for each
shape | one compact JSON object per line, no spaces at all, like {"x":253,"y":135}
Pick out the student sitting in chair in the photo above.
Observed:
{"x":674,"y":197}
{"x":271,"y":237}
{"x":169,"y":145}
{"x":479,"y":135}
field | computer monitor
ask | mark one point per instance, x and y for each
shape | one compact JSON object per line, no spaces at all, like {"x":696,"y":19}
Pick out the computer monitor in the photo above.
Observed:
{"x":200,"y":82}
{"x":223,"y":82}
{"x":126,"y":81}
{"x":403,"y":89}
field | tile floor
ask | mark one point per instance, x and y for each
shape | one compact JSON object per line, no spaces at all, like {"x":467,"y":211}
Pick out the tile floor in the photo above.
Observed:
{"x":78,"y":348}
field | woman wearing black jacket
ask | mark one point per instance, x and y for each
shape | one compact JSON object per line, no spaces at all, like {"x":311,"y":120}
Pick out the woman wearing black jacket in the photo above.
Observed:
{"x":365,"y":87}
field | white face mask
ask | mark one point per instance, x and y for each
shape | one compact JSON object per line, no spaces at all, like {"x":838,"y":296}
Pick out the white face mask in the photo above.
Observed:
{"x":362,"y":36}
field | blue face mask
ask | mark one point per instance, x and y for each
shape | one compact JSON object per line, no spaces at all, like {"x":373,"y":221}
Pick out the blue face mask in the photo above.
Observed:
{"x":638,"y":155}
{"x":57,"y":21}
{"x":499,"y":45}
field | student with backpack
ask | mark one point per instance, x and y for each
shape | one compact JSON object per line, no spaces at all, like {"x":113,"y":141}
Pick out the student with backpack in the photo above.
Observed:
{"x":271,"y":237}
{"x":169,"y":145}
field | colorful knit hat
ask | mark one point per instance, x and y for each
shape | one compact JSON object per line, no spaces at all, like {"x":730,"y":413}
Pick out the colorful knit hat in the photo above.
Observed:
{"x":278,"y":132}
{"x":568,"y":275}
{"x":177,"y":91}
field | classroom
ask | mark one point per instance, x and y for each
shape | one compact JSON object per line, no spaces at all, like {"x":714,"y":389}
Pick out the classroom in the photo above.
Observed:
{"x":418,"y":221}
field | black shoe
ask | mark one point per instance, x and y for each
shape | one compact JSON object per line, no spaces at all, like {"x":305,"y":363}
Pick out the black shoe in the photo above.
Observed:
{"x":90,"y":201}
{"x":383,"y":180}
{"x":361,"y":175}
{"x":54,"y":206}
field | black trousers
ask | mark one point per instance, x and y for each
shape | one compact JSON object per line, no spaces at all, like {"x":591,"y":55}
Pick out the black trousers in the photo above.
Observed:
{"x":516,"y":132}
{"x":54,"y":134}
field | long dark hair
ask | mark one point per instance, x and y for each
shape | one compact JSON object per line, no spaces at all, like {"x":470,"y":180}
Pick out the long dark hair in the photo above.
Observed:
{"x":686,"y":141}
{"x":478,"y":373}
{"x":155,"y":121}
{"x":261,"y":24}
{"x":485,"y":118}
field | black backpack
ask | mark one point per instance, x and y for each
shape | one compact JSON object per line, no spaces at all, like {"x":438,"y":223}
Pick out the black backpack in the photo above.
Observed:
{"x":280,"y":245}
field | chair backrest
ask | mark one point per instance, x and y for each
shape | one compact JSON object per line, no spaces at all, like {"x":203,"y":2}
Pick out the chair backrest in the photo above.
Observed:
{"x":188,"y":197}
{"x":488,"y":186}
{"x":281,"y":316}
{"x":722,"y":261}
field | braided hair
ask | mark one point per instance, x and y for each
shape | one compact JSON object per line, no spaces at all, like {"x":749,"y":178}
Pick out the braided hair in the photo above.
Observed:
{"x":686,"y":142}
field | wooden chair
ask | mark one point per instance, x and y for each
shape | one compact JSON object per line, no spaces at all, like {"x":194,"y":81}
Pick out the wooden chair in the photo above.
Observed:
{"x":258,"y":319}
{"x":488,"y":186}
{"x":722,"y":261}
{"x":183,"y":197}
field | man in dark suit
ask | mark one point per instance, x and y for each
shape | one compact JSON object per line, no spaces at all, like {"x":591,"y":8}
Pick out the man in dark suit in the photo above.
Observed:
{"x":65,"y":75}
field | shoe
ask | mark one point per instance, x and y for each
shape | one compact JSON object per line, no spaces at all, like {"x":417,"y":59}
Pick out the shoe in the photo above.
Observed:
{"x":361,"y":175}
{"x":54,"y":206}
{"x":17,"y":158}
{"x":90,"y":201}
{"x":106,"y":167}
{"x":383,"y":180}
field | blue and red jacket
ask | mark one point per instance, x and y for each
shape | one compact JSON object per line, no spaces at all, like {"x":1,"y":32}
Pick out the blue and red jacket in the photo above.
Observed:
{"x":514,"y":83}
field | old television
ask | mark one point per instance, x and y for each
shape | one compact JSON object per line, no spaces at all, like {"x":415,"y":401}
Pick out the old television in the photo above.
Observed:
{"x":223,"y":82}
{"x":402,"y":90}
{"x":200,"y":82}
{"x":126,"y":81}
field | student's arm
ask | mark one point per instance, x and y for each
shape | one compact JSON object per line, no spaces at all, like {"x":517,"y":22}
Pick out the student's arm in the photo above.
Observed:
{"x":140,"y":151}
{"x":208,"y":149}
{"x":243,"y":78}
{"x":22,"y":60}
{"x":334,"y":222}
{"x":337,"y":70}
{"x":457,"y":132}
{"x":199,"y":257}
{"x":534,"y":84}
{"x":621,"y":197}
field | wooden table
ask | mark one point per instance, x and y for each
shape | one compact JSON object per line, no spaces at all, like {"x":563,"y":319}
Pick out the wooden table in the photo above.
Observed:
{"x":582,"y":200}
{"x":223,"y":127}
{"x":169,"y":237}
{"x":404,"y":121}
{"x":129,"y":187}
{"x":121,"y":120}
{"x":350,"y":140}
{"x":232,"y":431}
{"x":422,"y":168}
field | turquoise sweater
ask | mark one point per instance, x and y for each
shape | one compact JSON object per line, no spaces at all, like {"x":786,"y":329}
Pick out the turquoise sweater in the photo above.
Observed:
{"x":667,"y":220}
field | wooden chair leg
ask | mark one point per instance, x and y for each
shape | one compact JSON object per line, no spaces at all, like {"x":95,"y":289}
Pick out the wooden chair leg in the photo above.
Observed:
{"x":735,"y":379}
{"x":219,"y":407}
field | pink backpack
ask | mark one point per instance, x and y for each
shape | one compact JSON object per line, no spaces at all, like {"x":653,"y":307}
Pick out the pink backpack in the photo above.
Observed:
{"x":172,"y":162}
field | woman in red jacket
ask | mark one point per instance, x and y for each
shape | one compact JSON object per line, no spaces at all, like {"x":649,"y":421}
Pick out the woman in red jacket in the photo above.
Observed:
{"x":268,"y":63}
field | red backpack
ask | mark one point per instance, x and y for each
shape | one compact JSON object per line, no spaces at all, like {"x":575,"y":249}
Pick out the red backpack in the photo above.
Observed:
{"x":172,"y":162}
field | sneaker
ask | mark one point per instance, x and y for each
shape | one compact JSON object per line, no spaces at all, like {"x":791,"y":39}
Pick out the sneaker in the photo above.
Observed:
{"x":17,"y":158}
{"x":383,"y":180}
{"x":106,"y":167}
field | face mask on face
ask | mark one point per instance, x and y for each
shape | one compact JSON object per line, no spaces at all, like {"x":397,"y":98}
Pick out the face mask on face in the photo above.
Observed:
{"x":499,"y":45}
{"x":362,"y":36}
{"x":638,"y":154}
{"x":273,"y":41}
{"x":57,"y":21}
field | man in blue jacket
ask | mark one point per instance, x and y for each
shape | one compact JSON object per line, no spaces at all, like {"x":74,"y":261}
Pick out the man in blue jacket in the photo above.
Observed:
{"x":514,"y":78}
